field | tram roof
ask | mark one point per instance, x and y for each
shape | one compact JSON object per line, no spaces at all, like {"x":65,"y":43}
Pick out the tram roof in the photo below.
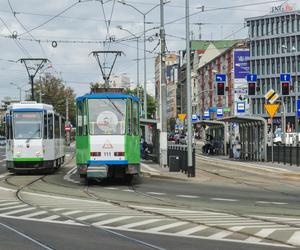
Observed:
{"x":30,"y":106}
{"x":105,"y":96}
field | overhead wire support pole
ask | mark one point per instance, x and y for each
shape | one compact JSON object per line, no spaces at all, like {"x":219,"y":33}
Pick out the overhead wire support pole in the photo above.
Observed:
{"x":188,"y":86}
{"x":39,"y":65}
{"x":163,"y":114}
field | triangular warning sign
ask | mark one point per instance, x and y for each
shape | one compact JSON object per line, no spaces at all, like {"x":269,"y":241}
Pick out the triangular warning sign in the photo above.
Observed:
{"x":181,"y":117}
{"x":272,"y":109}
{"x":107,"y":144}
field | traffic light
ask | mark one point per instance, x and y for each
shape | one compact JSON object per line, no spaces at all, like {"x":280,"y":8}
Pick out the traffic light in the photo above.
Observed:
{"x":251,"y":88}
{"x":285,"y":88}
{"x":221,"y":88}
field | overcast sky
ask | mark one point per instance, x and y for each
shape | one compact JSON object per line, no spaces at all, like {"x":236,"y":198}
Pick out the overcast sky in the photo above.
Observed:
{"x":83,"y":23}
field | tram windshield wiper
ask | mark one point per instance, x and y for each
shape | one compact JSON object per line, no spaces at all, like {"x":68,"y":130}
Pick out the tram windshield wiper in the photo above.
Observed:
{"x":115,"y":106}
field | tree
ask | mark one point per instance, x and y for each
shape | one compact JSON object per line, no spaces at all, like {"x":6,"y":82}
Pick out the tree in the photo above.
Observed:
{"x":52,"y":90}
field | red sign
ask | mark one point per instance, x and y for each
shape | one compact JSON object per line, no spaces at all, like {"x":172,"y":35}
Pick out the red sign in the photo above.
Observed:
{"x":67,"y":128}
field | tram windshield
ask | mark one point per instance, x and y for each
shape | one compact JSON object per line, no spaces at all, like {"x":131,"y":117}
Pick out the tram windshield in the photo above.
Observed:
{"x":107,"y":116}
{"x":27,"y":125}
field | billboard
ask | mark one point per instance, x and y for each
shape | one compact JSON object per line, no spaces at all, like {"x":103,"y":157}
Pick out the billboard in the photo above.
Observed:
{"x":241,"y":63}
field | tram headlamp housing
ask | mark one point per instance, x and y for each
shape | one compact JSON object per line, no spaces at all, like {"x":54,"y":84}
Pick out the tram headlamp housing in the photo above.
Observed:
{"x":38,"y":153}
{"x":94,"y":154}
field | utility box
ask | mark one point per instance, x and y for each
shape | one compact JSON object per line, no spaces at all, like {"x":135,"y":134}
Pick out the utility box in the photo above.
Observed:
{"x":174,"y":163}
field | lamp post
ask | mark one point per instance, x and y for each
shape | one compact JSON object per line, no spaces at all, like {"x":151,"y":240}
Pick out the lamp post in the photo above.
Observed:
{"x":144,"y":14}
{"x":19,"y":88}
{"x":137,"y":59}
{"x":294,"y":51}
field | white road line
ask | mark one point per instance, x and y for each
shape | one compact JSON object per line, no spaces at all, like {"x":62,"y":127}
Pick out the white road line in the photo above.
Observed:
{"x":295,"y":239}
{"x":238,"y":228}
{"x":140,"y":223}
{"x":33,"y":214}
{"x":12,"y":207}
{"x":91,"y":216}
{"x":271,"y":202}
{"x":58,"y":209}
{"x":168,"y":226}
{"x":220,"y":235}
{"x":111,"y":188}
{"x":265,"y":232}
{"x":26,"y":236}
{"x":155,"y":193}
{"x":253,"y":239}
{"x":101,"y":223}
{"x":187,"y":196}
{"x":49,"y":218}
{"x":72,"y":212}
{"x":191,"y":230}
{"x":8,"y":204}
{"x":19,"y":211}
{"x":2,"y":160}
{"x":223,"y":199}
{"x":240,"y":223}
{"x":128,"y":190}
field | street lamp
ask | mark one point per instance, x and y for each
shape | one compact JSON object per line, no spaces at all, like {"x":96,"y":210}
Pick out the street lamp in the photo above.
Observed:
{"x":19,"y":88}
{"x":137,"y":58}
{"x":144,"y":14}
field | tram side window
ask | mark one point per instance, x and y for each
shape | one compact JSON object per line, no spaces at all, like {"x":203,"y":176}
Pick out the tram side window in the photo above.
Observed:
{"x":79,"y":118}
{"x":85,"y":122}
{"x":8,"y":122}
{"x":129,"y":117}
{"x":56,"y":127}
{"x":135,"y":119}
{"x":50,"y":126}
{"x":45,"y":126}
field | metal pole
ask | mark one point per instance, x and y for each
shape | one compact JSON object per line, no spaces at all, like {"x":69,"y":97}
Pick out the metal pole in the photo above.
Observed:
{"x":163,"y":116}
{"x":283,"y":121}
{"x":145,"y":71}
{"x":296,"y":91}
{"x":32,"y":90}
{"x":137,"y":68}
{"x":20,"y":94}
{"x":188,"y":85}
{"x":272,"y":141}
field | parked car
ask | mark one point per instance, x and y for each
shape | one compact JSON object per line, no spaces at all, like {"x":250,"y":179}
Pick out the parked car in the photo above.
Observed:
{"x":171,"y":137}
{"x":2,"y":141}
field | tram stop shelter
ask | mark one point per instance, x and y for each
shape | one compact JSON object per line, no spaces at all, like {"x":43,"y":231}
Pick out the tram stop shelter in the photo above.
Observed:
{"x":218,"y":131}
{"x":253,"y":136}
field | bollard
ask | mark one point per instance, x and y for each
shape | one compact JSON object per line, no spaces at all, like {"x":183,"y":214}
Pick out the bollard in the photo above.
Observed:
{"x":291,"y":154}
{"x":297,"y":155}
{"x":284,"y":154}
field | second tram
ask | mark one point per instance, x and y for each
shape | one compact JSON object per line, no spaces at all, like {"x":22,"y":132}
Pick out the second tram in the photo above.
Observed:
{"x":35,"y":137}
{"x":107,"y":135}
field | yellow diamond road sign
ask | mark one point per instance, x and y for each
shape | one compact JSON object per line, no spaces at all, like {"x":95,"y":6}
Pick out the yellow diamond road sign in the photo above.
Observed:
{"x":271,"y":96}
{"x":181,"y":117}
{"x":272,"y":109}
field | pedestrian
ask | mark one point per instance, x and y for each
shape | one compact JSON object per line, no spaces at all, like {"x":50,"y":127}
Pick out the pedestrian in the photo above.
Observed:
{"x":237,"y":148}
{"x":142,"y":144}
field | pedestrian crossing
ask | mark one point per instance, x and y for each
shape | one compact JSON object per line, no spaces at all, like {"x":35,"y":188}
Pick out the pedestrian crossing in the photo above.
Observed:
{"x":152,"y":220}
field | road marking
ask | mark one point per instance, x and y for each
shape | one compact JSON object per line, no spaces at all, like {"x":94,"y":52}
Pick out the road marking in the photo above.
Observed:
{"x":33,"y":214}
{"x":111,"y":188}
{"x":52,"y":217}
{"x":155,"y":193}
{"x":58,"y":209}
{"x":91,"y":216}
{"x":26,"y":236}
{"x":191,"y":230}
{"x":220,"y":235}
{"x":295,"y":239}
{"x":128,"y":190}
{"x":19,"y":211}
{"x":271,"y":202}
{"x":2,"y":160}
{"x":140,"y":223}
{"x":168,"y":226}
{"x":8,"y":204}
{"x":187,"y":196}
{"x":223,"y":199}
{"x":72,"y":212}
{"x":68,"y":175}
{"x":12,"y":207}
{"x":101,"y":223}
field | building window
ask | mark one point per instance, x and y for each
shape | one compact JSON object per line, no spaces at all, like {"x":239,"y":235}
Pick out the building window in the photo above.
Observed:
{"x":252,"y":29}
{"x":298,"y":43}
{"x":277,"y":62}
{"x":257,"y":28}
{"x":268,"y":66}
{"x":272,"y":27}
{"x":277,"y":26}
{"x":288,"y":63}
{"x":283,"y":64}
{"x":273,"y":65}
{"x":273,"y":46}
{"x":282,"y":26}
{"x":263,"y":67}
{"x":293,"y":24}
{"x":262,"y":28}
{"x":258,"y":68}
{"x":263,"y":48}
{"x":277,"y":45}
{"x":268,"y":47}
{"x":253,"y":49}
{"x":288,"y":25}
{"x":257,"y":49}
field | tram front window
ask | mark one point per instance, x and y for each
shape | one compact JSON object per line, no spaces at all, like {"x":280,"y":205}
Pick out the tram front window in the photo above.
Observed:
{"x":107,"y":116}
{"x":27,"y":125}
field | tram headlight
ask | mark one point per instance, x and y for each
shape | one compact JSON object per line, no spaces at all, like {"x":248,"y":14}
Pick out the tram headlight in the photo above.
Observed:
{"x":18,"y":154}
{"x":38,"y":153}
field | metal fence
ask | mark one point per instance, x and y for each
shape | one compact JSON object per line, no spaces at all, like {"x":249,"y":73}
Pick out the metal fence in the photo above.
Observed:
{"x":178,"y":160}
{"x":286,"y":154}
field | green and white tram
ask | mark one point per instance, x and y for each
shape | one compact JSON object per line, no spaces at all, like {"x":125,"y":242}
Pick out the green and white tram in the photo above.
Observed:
{"x":35,"y":137}
{"x":107,"y":135}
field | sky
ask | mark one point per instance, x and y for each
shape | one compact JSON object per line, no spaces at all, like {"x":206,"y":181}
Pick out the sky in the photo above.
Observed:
{"x":79,"y":27}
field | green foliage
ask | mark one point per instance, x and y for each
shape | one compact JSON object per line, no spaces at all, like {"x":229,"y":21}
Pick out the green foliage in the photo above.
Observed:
{"x":52,"y":90}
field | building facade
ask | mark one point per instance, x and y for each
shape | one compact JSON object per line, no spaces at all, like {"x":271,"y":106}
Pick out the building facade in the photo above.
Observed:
{"x":274,"y":42}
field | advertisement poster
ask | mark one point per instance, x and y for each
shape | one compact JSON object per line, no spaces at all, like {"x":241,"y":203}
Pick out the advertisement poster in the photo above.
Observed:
{"x":241,"y":63}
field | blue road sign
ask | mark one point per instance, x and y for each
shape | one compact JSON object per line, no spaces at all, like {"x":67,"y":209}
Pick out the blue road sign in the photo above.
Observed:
{"x":220,"y":78}
{"x":251,"y":78}
{"x":285,"y":77}
{"x":194,"y":118}
{"x":220,"y":112}
{"x":298,"y":108}
{"x":199,"y":117}
{"x":241,"y":107}
{"x":206,"y":114}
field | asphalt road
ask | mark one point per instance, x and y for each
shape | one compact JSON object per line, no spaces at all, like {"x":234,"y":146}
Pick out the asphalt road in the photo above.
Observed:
{"x":2,"y":160}
{"x":19,"y":234}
